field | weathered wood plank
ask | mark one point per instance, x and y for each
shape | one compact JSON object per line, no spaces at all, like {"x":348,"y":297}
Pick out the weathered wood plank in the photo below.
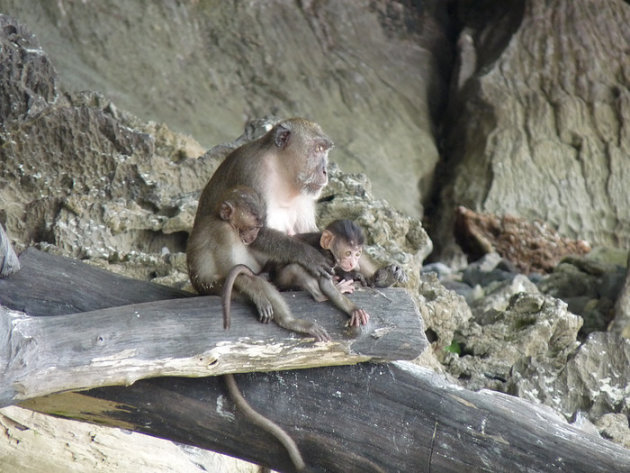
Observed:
{"x":52,"y":285}
{"x":392,"y":417}
{"x":185,"y":337}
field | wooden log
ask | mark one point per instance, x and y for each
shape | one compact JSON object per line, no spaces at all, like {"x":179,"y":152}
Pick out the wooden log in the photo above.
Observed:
{"x":53,"y":285}
{"x":393,"y":417}
{"x":370,"y":418}
{"x":185,"y":337}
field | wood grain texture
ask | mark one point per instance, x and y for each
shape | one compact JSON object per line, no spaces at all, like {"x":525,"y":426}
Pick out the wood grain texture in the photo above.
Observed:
{"x":184,"y":337}
{"x":52,"y":285}
{"x":394,"y":417}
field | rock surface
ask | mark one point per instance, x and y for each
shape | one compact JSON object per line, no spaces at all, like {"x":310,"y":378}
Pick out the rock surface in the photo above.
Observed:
{"x":539,"y":118}
{"x":375,"y":72}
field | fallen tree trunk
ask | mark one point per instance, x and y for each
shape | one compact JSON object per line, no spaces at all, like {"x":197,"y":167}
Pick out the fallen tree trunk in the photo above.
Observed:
{"x":392,"y":417}
{"x":185,"y":337}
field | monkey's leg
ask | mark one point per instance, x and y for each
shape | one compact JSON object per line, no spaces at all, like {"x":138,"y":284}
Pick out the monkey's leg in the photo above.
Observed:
{"x":265,"y":310}
{"x":264,"y":423}
{"x":253,"y":287}
{"x":357,"y":316}
{"x":294,"y":275}
{"x":284,"y":318}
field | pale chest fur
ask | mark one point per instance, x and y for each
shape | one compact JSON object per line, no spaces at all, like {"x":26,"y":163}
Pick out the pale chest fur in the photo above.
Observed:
{"x":291,"y":216}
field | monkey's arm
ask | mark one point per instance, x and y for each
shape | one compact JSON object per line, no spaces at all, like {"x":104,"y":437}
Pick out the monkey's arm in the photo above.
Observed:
{"x":311,"y":238}
{"x":281,"y":248}
{"x":357,"y":316}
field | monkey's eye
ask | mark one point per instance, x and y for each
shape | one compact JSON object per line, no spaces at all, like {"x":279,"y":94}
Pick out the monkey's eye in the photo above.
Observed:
{"x":348,"y":254}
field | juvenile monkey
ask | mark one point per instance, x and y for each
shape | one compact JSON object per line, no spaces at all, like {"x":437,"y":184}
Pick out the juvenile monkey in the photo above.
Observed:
{"x":234,"y":226}
{"x":287,"y":168}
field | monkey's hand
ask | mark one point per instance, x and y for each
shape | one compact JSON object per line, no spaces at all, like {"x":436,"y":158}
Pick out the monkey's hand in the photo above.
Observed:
{"x":316,"y":263}
{"x":345,"y":286}
{"x":354,"y":275}
{"x":389,"y":275}
{"x":358,"y":317}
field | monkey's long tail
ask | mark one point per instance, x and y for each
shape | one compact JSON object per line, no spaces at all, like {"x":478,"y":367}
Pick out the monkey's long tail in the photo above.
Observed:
{"x":264,"y":423}
{"x":226,"y":295}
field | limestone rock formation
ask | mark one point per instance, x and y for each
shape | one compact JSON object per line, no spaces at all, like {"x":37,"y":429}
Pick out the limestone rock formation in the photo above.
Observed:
{"x":539,"y":118}
{"x":514,"y":321}
{"x":375,"y":72}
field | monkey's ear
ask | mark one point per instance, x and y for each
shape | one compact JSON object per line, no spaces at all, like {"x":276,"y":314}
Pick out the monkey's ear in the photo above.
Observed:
{"x":226,"y":210}
{"x":281,"y":137}
{"x":326,"y":239}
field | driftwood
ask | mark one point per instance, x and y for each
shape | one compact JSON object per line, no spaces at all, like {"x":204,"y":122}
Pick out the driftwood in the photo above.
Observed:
{"x":393,"y":417}
{"x":119,"y":345}
{"x":388,"y":417}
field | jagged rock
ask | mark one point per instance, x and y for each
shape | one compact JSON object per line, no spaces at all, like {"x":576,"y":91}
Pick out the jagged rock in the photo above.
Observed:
{"x":514,"y":322}
{"x":28,"y":81}
{"x":376,"y":73}
{"x":443,"y":312}
{"x":539,"y":117}
{"x":594,"y":380}
{"x":590,"y":288}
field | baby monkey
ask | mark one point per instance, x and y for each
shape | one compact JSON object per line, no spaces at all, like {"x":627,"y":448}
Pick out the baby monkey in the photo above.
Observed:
{"x":342,"y":243}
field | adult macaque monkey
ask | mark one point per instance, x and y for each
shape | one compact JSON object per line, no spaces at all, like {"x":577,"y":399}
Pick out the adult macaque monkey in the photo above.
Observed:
{"x":286,"y":168}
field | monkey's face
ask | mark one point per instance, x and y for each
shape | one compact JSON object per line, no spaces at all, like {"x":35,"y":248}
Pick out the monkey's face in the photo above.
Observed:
{"x":346,"y":255}
{"x":309,"y":149}
{"x":248,"y":225}
{"x":314,"y":176}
